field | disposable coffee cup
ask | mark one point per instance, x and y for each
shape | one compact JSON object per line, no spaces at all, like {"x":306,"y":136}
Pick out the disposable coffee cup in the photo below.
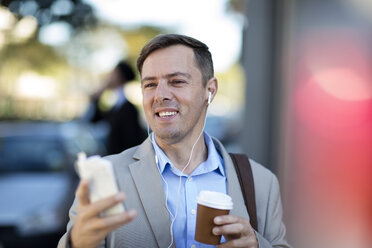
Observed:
{"x":210,"y":205}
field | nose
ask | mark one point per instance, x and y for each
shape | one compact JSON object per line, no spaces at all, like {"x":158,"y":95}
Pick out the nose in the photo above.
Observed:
{"x":162,"y":92}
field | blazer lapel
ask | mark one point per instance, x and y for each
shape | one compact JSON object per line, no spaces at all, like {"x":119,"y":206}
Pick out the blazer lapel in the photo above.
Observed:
{"x":148,"y":182}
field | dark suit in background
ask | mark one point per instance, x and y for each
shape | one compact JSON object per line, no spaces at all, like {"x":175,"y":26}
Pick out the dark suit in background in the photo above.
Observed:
{"x":123,"y":118}
{"x":125,"y":130}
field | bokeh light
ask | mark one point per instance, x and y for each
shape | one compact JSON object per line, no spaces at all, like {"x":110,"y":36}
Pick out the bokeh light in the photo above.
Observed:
{"x":331,"y":140}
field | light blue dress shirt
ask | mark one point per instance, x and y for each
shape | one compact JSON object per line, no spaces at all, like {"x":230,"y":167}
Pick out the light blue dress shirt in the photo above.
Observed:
{"x":209,"y":175}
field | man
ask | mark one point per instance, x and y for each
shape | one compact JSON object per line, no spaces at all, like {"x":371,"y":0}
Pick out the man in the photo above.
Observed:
{"x":125,"y":131}
{"x":162,"y":176}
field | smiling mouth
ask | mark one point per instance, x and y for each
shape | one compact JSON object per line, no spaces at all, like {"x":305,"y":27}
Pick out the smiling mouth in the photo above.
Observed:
{"x":166,"y":114}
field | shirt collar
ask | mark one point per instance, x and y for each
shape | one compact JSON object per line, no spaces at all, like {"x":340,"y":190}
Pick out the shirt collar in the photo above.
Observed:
{"x":213,"y":162}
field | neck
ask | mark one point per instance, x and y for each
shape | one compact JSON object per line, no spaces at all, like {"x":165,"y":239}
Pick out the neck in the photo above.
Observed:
{"x":180,"y":153}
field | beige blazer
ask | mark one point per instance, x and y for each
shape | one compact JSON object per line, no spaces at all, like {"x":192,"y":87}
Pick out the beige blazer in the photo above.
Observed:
{"x":138,"y":176}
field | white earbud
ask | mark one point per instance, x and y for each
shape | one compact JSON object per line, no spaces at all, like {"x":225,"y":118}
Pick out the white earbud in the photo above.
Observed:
{"x":209,"y":97}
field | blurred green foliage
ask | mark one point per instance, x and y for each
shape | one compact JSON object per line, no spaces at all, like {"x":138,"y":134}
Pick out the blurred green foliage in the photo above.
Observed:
{"x":30,"y":55}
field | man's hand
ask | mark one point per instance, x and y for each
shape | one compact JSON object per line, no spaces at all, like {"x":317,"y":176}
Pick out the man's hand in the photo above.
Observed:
{"x":90,"y":229}
{"x":236,"y":230}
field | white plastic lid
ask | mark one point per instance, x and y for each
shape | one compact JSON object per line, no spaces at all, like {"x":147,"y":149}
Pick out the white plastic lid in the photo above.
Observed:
{"x":214,"y":199}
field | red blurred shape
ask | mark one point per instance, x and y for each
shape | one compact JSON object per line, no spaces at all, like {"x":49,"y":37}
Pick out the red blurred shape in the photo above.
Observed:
{"x":332,"y":137}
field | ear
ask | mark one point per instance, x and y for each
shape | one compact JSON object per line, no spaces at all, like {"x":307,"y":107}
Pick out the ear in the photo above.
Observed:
{"x":212,"y":86}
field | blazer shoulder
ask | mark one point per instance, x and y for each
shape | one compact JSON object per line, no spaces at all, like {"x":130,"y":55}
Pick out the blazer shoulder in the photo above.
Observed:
{"x":264,"y":181}
{"x":124,"y":156}
{"x":132,"y":154}
{"x":260,"y":172}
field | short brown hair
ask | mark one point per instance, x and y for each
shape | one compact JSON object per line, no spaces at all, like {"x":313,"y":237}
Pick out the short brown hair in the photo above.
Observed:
{"x":202,"y":54}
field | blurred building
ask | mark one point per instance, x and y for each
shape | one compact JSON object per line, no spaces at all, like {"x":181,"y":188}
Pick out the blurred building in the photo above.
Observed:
{"x":308,"y":114}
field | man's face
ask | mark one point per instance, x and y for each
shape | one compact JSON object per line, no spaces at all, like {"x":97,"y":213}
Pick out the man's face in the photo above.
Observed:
{"x":174,"y":97}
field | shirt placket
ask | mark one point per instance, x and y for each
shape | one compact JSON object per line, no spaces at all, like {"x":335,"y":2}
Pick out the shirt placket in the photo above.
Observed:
{"x":191,"y":194}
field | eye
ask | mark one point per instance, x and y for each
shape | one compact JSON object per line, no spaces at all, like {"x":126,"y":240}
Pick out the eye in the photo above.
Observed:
{"x":149,"y":85}
{"x":177,"y":82}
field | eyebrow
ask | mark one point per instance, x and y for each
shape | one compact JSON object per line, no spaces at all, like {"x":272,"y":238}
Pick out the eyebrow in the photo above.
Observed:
{"x":170,"y":75}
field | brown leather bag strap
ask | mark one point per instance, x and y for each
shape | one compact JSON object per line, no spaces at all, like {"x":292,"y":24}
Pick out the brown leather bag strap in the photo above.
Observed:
{"x":245,"y":176}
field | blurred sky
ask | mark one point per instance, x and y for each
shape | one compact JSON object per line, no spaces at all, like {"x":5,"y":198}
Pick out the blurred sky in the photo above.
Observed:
{"x":208,"y":21}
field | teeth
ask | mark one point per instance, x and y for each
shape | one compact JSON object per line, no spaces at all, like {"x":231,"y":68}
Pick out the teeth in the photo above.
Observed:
{"x":165,"y":114}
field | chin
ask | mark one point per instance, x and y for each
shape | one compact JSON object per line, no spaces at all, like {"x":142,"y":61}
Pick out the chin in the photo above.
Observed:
{"x":170,"y":136}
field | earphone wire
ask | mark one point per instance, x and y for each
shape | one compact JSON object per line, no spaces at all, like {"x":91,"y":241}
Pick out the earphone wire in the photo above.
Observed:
{"x":166,"y":187}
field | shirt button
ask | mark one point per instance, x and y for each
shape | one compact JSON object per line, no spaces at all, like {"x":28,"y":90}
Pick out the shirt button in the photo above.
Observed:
{"x":189,"y":179}
{"x":193,"y":246}
{"x":193,"y":211}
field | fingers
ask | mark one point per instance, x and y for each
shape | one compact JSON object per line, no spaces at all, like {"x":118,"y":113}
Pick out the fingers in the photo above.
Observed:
{"x":226,"y":219}
{"x":97,"y":207}
{"x":82,"y":192}
{"x":231,"y":224}
{"x":237,"y":231}
{"x":90,"y":228}
{"x":112,"y":222}
{"x":230,"y":229}
{"x":91,"y":232}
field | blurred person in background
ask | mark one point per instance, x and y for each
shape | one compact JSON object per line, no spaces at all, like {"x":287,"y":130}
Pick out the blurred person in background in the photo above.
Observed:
{"x":178,"y":84}
{"x":125,"y":130}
